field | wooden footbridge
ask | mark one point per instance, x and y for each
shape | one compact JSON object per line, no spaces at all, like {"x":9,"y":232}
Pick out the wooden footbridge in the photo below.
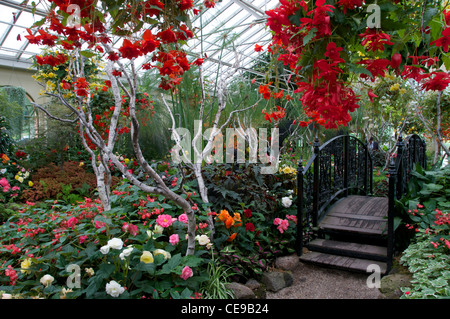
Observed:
{"x":339,"y":221}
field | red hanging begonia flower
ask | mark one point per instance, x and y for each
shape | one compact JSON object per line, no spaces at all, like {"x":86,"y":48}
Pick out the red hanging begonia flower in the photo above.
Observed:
{"x":149,"y":42}
{"x":258,"y":48}
{"x":444,"y":41}
{"x":375,"y":39}
{"x":130,"y":50}
{"x":167,"y":36}
{"x":437,"y":81}
{"x":349,"y":4}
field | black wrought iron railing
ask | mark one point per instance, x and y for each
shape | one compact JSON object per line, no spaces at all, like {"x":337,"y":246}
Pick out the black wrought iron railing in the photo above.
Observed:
{"x":340,"y":167}
{"x":410,"y":152}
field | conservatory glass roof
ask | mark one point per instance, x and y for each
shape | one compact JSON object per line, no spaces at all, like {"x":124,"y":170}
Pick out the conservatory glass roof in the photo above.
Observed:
{"x":226,"y":34}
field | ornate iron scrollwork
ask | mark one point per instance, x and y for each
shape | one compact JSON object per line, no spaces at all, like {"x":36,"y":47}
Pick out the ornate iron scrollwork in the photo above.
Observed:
{"x":341,"y":166}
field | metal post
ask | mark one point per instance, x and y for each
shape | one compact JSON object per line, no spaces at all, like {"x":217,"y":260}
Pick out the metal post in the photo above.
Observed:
{"x":299,"y":244}
{"x":391,"y":214}
{"x":400,"y":166}
{"x":316,"y":183}
{"x":366,"y":169}
{"x":346,"y":163}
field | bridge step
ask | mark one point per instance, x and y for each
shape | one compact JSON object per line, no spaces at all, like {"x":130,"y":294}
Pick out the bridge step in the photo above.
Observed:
{"x":352,"y":235}
{"x":359,"y":215}
{"x":342,"y":262}
{"x":348,"y":249}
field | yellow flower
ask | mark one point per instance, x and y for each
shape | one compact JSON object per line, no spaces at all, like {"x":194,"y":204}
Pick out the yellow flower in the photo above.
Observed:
{"x":81,"y":164}
{"x":126,"y":161}
{"x":17,"y":177}
{"x":147,"y":257}
{"x":166,"y":254}
{"x":402,"y":91}
{"x":30,"y":183}
{"x":25,"y":265}
{"x":394,"y":87}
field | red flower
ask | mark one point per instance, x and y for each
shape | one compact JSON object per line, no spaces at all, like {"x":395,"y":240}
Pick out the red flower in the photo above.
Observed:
{"x":265,"y":91}
{"x":375,"y":39}
{"x":371,"y":95}
{"x":130,"y":50}
{"x":349,"y":4}
{"x":113,"y":56}
{"x":184,"y":33}
{"x":185,"y":4}
{"x":438,"y":82}
{"x":396,"y":60}
{"x":82,"y":87}
{"x":250,"y":227}
{"x":153,"y":7}
{"x":209,"y":3}
{"x":443,"y":42}
{"x":258,"y":48}
{"x":149,"y":42}
{"x":167,"y":36}
{"x":248,"y":213}
{"x":377,"y":67}
{"x":198,"y":62}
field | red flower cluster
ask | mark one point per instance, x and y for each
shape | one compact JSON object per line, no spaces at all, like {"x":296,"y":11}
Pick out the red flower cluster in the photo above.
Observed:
{"x":375,"y":40}
{"x":276,"y":115}
{"x":51,"y":60}
{"x":326,"y":99}
{"x":42,"y":38}
{"x":82,"y":87}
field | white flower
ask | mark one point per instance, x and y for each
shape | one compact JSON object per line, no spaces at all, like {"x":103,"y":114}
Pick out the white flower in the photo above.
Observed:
{"x":166,"y":254}
{"x":114,"y":289}
{"x":125,"y":253}
{"x":90,"y":271}
{"x":47,"y":280}
{"x":158,"y":230}
{"x":286,"y":202}
{"x":104,"y":249}
{"x":3,"y":171}
{"x":202,"y":240}
{"x":6,"y":296}
{"x":115,"y":243}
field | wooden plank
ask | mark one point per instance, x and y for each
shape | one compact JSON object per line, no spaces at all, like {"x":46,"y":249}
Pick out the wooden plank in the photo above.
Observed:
{"x":341,"y":262}
{"x":379,"y":230}
{"x":341,"y":247}
{"x":361,"y":205}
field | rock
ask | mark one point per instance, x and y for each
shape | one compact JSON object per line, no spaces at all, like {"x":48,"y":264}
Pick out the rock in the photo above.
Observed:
{"x":390,"y":285}
{"x":287,"y":262}
{"x":241,"y":291}
{"x":277,"y":280}
{"x":252,"y":284}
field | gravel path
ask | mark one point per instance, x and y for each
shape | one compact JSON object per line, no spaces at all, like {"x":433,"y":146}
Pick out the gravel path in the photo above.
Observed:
{"x":312,"y":282}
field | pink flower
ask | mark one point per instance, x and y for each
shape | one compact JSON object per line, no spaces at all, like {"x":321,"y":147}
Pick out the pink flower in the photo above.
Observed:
{"x":130,"y":228}
{"x":83,"y":238}
{"x":98,"y":224}
{"x":174,"y":239}
{"x":72,"y":222}
{"x":4,"y":182}
{"x":164,"y":220}
{"x":16,"y":188}
{"x":283,"y":224}
{"x":186,"y":273}
{"x":183,"y":218}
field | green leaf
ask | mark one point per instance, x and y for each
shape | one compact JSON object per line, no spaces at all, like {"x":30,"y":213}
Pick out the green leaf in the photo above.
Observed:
{"x":311,"y":34}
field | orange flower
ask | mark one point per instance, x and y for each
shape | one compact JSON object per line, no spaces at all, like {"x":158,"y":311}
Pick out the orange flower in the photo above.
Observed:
{"x":229,"y":222}
{"x":224,"y":215}
{"x":232,"y":237}
{"x":237,"y":220}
